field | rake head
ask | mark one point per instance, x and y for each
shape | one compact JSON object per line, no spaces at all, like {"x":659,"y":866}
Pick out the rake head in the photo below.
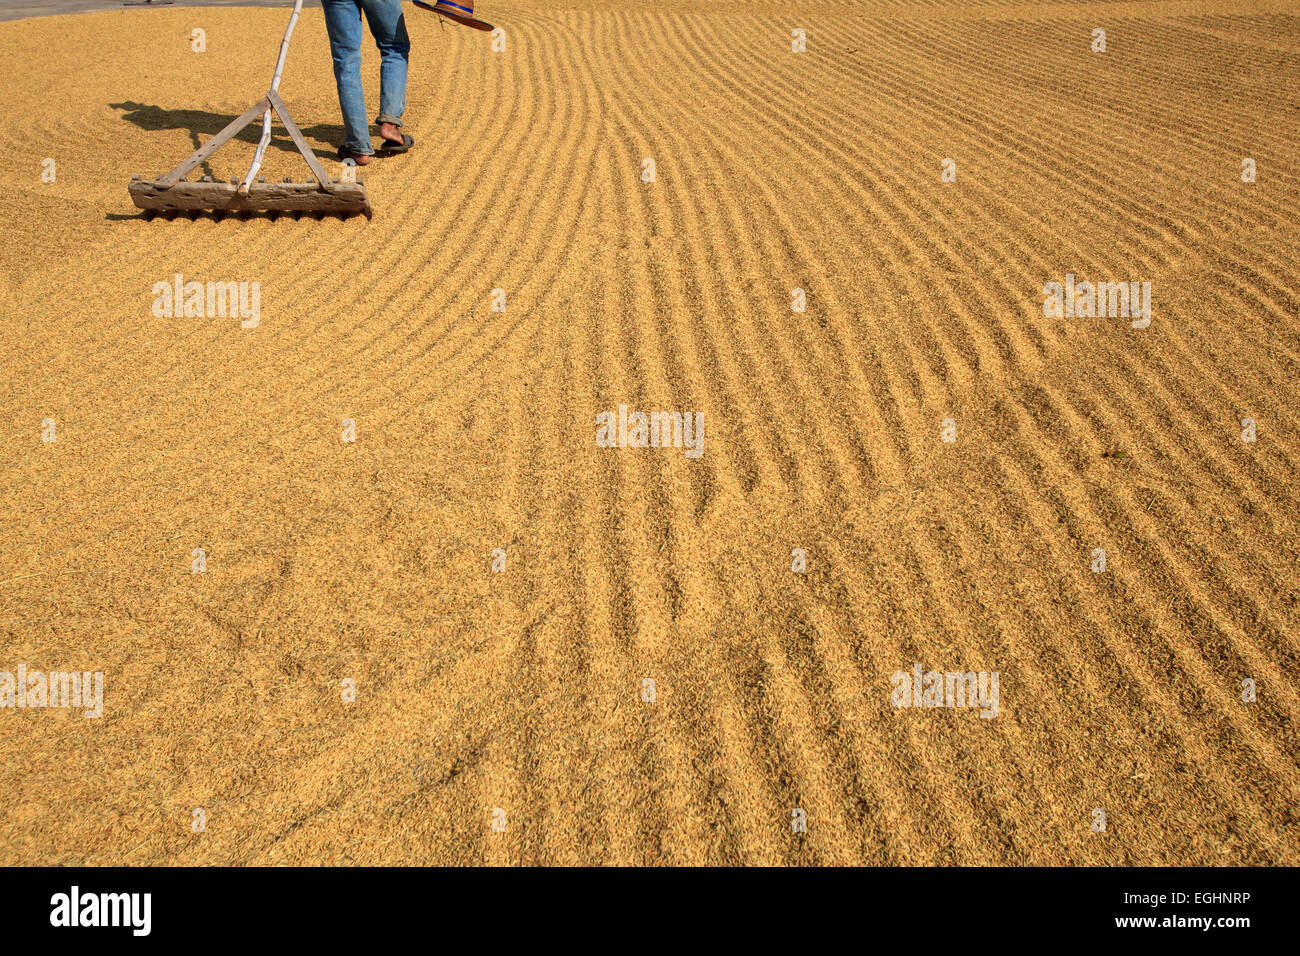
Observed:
{"x":335,"y":198}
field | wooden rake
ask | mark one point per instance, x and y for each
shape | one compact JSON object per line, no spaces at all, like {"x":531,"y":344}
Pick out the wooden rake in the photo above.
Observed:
{"x":319,"y":195}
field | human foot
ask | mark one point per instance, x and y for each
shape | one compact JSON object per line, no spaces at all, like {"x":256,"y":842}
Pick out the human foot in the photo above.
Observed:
{"x":361,"y":159}
{"x":394,"y":140}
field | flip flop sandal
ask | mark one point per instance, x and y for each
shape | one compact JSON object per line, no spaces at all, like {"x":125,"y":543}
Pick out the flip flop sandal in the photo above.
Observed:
{"x":389,"y":148}
{"x":346,"y":153}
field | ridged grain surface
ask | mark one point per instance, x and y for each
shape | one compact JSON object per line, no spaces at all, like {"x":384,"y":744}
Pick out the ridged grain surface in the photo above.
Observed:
{"x":476,"y":431}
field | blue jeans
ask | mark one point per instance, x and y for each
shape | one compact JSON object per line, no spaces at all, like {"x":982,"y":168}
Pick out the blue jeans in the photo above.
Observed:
{"x":388,"y":26}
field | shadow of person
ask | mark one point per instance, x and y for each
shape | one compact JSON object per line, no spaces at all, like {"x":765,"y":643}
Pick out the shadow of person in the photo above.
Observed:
{"x":200,"y":123}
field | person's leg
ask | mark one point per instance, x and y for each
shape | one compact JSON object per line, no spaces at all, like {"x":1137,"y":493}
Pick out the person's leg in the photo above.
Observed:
{"x":388,"y":25}
{"x":343,"y":23}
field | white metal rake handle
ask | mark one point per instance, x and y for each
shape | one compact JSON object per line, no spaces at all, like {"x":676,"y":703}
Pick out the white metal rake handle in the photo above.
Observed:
{"x":275,"y":88}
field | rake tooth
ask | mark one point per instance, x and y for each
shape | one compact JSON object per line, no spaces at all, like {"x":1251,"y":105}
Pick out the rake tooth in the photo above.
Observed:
{"x":288,"y":179}
{"x":170,"y":214}
{"x":218,"y":215}
{"x":273,"y":215}
{"x":135,"y":177}
{"x":244,"y":215}
{"x":150,"y":215}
